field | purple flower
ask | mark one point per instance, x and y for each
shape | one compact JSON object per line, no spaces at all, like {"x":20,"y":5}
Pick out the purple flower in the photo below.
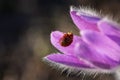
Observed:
{"x":96,"y":50}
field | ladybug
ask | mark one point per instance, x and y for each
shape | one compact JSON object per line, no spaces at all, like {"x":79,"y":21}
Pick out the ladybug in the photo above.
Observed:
{"x":66,"y":39}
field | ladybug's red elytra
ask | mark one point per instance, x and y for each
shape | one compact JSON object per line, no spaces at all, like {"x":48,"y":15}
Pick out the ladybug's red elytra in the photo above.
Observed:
{"x":66,"y":39}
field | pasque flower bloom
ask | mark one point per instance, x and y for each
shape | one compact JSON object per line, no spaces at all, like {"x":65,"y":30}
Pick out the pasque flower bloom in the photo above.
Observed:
{"x":97,"y":49}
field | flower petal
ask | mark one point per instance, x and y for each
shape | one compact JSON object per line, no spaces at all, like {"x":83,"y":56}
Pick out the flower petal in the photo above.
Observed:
{"x":102,"y":44}
{"x":89,"y":18}
{"x":115,"y":38}
{"x":67,"y":60}
{"x":56,"y":36}
{"x":85,"y":51}
{"x":112,"y":31}
{"x":83,"y":21}
{"x":108,"y":28}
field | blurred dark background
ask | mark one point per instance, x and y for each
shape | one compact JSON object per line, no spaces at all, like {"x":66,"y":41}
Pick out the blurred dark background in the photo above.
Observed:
{"x":25,"y":26}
